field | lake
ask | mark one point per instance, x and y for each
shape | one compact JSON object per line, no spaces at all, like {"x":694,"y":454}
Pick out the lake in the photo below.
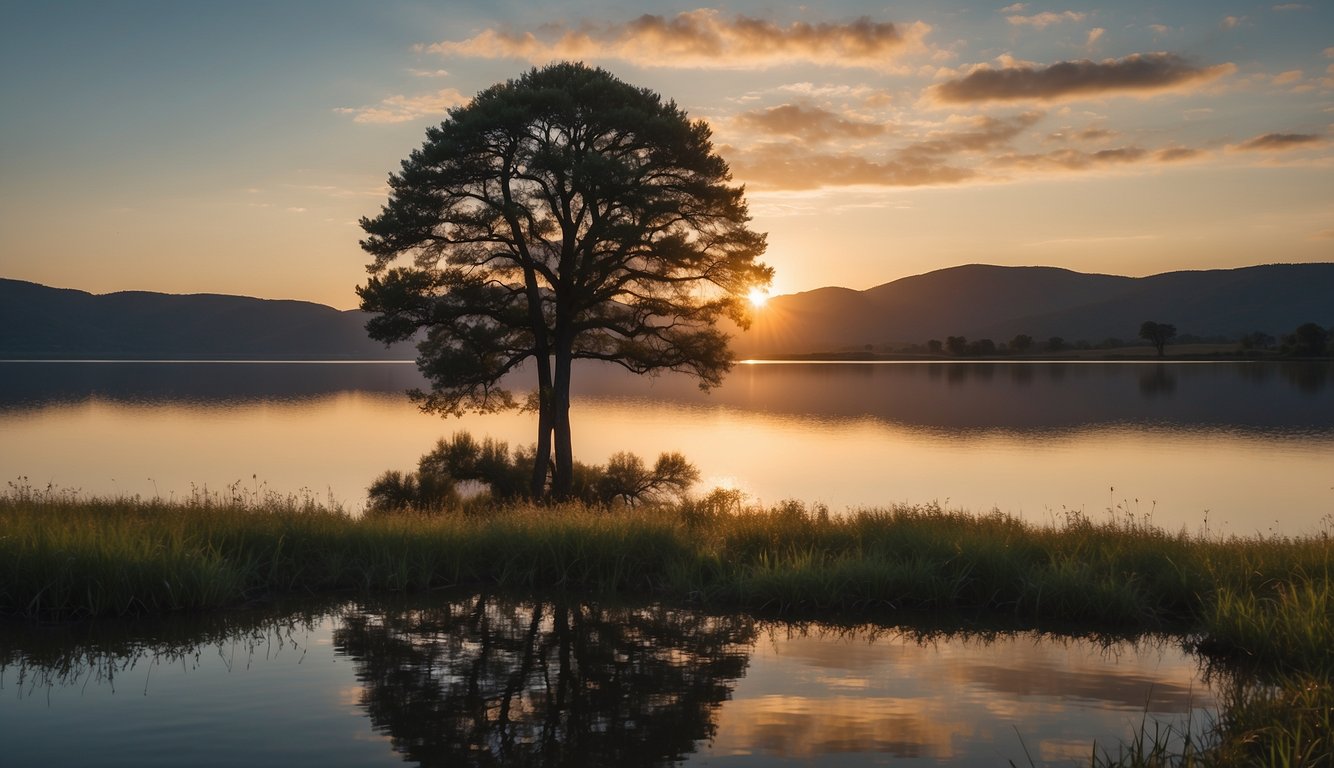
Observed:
{"x":466,"y":679}
{"x":1223,"y":447}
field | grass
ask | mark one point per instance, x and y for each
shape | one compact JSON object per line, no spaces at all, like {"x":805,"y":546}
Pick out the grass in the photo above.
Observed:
{"x":1262,"y":604}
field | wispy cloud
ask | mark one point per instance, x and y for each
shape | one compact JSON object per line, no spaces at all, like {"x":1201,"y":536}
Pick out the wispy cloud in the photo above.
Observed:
{"x":1280,"y":142}
{"x":1287,"y":78}
{"x":811,"y":124}
{"x":1094,"y":36}
{"x":401,"y":109}
{"x":701,"y":38}
{"x":788,"y":167}
{"x":1232,"y":22}
{"x":1137,"y":74}
{"x":1292,"y":7}
{"x":1045,"y":19}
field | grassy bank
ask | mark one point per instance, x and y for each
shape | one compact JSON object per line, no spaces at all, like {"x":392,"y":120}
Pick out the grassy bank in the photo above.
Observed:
{"x":1264,"y":604}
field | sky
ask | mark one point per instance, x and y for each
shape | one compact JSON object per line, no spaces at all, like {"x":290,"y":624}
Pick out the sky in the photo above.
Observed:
{"x":211,"y":147}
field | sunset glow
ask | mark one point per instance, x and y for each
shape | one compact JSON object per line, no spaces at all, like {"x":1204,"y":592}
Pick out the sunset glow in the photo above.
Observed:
{"x":874,"y":142}
{"x":757,"y":297}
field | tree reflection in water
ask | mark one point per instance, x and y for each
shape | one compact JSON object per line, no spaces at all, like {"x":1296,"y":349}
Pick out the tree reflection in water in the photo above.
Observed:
{"x":489,"y":680}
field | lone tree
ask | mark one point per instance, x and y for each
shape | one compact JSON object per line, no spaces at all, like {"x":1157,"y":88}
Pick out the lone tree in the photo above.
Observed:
{"x":563,"y":215}
{"x":1157,"y":334}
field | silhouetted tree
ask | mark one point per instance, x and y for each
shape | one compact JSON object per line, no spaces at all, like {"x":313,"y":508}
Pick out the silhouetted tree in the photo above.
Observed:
{"x":982,"y":347}
{"x":628,"y":479}
{"x":934,"y":346}
{"x":563,"y":215}
{"x":1257,"y":340}
{"x":957,"y":345}
{"x":1309,"y":340}
{"x":1055,"y":344}
{"x":1021,"y":343}
{"x":1157,"y":334}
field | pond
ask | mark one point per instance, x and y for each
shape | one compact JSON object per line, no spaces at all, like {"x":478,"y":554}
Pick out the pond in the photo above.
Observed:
{"x":474,"y":679}
{"x":1219,"y":447}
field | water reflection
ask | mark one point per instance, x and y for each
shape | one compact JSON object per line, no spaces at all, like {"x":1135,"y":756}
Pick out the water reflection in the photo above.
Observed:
{"x":493,"y":680}
{"x":1022,"y":397}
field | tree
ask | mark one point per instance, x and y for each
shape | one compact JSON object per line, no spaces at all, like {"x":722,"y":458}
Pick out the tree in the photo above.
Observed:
{"x":1021,"y":343}
{"x":563,"y":215}
{"x":1309,"y":340}
{"x":1157,"y":334}
{"x":957,"y":345}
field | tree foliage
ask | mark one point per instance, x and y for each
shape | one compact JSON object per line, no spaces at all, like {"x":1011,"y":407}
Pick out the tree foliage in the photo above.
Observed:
{"x":563,"y":215}
{"x":1157,"y":334}
{"x":492,"y":473}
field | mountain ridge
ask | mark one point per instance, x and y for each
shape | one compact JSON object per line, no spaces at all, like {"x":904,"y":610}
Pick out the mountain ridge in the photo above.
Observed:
{"x":971,"y":300}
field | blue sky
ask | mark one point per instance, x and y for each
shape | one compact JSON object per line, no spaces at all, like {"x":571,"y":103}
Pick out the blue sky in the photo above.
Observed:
{"x":231,"y":147}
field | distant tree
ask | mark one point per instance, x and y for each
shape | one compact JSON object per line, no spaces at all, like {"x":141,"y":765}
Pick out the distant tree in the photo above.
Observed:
{"x":563,"y":215}
{"x":957,"y":345}
{"x":982,"y":347}
{"x":1257,"y":340}
{"x":1157,"y":334}
{"x":1021,"y":343}
{"x":934,"y":346}
{"x":1055,"y":344}
{"x":1309,"y":340}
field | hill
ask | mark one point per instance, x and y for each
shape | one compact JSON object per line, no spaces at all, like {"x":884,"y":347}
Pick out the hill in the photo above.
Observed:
{"x":976,"y":301}
{"x":982,"y":301}
{"x":52,"y":323}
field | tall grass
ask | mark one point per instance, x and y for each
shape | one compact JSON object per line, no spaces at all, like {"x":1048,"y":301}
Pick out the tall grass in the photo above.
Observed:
{"x":1263,"y":604}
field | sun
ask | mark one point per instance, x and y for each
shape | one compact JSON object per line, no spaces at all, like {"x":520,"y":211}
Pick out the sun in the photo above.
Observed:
{"x":757,"y":297}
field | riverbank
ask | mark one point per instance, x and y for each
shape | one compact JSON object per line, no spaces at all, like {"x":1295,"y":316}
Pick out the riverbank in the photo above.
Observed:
{"x":1263,"y":604}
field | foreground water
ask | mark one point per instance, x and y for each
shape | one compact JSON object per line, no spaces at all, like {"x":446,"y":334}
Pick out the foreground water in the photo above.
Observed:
{"x":485,"y":680}
{"x":1224,"y":447}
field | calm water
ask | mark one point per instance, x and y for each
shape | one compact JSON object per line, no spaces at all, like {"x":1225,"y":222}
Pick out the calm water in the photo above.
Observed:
{"x":1236,"y":447}
{"x":474,"y":680}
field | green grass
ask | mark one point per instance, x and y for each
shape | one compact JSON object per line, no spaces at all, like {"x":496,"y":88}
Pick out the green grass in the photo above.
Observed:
{"x":1260,"y":604}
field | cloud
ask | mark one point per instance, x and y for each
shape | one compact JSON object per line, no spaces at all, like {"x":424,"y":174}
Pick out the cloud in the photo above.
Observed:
{"x":1280,"y":142}
{"x":979,"y":134}
{"x":1045,"y":19}
{"x":1094,"y":36}
{"x":701,"y":38}
{"x":401,"y":109}
{"x":1292,"y":7}
{"x":788,"y":167}
{"x":428,"y":72}
{"x":1015,"y":8}
{"x":1160,"y":29}
{"x":1065,"y":160}
{"x":1137,"y":74}
{"x":1231,"y":22}
{"x":1285,"y":78}
{"x":811,"y":124}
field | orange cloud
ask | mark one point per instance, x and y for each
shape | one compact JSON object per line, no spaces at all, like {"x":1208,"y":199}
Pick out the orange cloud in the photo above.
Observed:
{"x":1280,"y":142}
{"x":401,"y":109}
{"x":810,"y":124}
{"x":701,"y":38}
{"x":784,"y":166}
{"x":1137,"y":74}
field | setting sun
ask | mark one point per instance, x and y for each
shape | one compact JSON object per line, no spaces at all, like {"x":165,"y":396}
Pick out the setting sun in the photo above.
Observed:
{"x":757,"y":297}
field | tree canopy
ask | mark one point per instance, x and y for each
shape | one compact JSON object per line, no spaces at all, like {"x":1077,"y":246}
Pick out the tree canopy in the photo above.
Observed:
{"x":562,"y":215}
{"x":1157,"y":334}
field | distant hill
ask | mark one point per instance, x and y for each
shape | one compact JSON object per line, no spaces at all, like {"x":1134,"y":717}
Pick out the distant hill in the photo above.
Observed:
{"x":980,"y":301}
{"x":52,"y":323}
{"x":976,"y":301}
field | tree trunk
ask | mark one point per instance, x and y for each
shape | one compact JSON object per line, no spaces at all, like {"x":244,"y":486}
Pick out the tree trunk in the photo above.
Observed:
{"x":537,"y":486}
{"x":562,"y":479}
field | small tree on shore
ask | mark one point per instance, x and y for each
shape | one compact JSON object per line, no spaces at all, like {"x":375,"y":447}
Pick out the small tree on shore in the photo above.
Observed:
{"x":1157,"y":334}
